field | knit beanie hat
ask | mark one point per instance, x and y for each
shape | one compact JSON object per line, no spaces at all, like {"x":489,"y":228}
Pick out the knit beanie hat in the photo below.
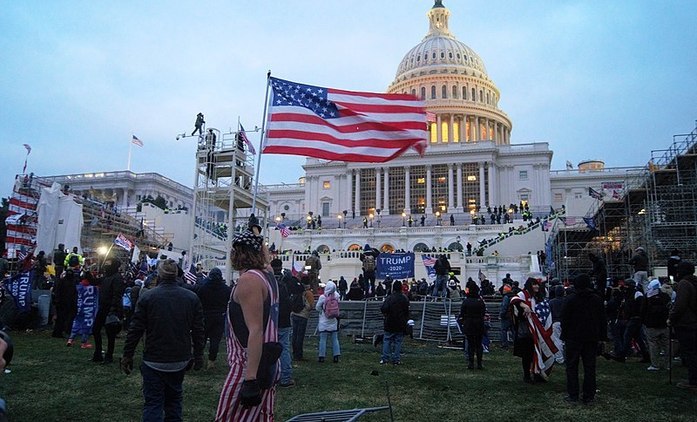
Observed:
{"x":167,"y":269}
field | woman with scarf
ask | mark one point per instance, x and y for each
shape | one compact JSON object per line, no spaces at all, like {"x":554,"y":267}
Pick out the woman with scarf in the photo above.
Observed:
{"x":533,"y":329}
{"x":248,"y":393}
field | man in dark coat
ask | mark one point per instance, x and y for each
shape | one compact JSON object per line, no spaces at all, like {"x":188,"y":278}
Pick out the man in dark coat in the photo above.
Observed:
{"x":395,"y":309}
{"x":111,"y":289}
{"x":683,"y":316}
{"x":65,"y":298}
{"x":171,"y":317}
{"x":583,"y":327}
{"x":214,"y":295}
{"x":471,"y":320}
{"x":59,"y":255}
{"x":599,"y":272}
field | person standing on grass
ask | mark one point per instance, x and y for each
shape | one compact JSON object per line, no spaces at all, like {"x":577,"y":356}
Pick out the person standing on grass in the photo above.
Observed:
{"x":328,"y":326}
{"x":214,"y":295}
{"x":249,"y":392}
{"x":299,"y":319}
{"x":683,"y":317}
{"x":471,"y":319}
{"x":583,"y":327}
{"x":171,"y":317}
{"x":286,"y":287}
{"x":65,"y":298}
{"x":395,"y":309}
{"x":556,"y":306}
{"x":505,"y":316}
{"x":654,"y":313}
{"x":111,"y":288}
{"x":87,"y":307}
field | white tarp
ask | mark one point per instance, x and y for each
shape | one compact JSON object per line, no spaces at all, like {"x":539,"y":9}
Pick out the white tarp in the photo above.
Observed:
{"x":60,"y":220}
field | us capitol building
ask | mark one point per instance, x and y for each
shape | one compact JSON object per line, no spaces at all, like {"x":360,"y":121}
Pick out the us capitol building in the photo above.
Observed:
{"x":470,"y":164}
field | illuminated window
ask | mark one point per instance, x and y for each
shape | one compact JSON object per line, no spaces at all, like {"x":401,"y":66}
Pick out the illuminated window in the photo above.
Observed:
{"x":421,"y":180}
{"x":434,"y":133}
{"x":444,"y":131}
{"x":326,"y":184}
{"x":472,"y":178}
{"x":441,"y":179}
{"x":456,"y":131}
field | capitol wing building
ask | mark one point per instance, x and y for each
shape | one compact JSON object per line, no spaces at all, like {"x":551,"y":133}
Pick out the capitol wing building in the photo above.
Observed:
{"x":469,"y":167}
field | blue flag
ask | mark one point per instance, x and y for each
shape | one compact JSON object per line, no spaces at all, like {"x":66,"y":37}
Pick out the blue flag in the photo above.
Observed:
{"x":19,"y":288}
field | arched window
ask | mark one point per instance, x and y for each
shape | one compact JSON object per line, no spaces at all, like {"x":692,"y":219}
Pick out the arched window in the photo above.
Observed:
{"x":454,"y":91}
{"x":464,"y":92}
{"x":433,"y":92}
{"x":474,"y":95}
{"x":487,"y":98}
{"x":421,"y":247}
{"x":444,"y":92}
{"x":423,"y":92}
{"x":481,"y":96}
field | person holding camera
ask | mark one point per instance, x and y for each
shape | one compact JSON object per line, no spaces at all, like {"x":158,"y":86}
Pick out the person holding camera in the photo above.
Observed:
{"x":171,"y":316}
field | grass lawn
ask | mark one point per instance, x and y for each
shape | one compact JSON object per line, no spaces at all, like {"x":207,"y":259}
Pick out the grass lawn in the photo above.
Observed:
{"x":50,"y":382}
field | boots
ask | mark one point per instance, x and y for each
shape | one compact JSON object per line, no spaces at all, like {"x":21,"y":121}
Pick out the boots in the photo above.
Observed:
{"x":336,"y":359}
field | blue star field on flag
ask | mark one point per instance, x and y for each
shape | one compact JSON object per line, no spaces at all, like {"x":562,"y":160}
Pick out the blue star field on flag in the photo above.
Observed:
{"x":314,"y":98}
{"x":542,"y":310}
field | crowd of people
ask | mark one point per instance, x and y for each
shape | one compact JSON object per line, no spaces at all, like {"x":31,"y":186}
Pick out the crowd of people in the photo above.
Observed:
{"x":265,"y":313}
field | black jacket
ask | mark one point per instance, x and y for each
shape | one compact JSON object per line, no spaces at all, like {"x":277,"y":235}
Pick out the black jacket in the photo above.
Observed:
{"x":111,"y":290}
{"x":395,"y":308}
{"x":654,"y":311}
{"x":65,"y":291}
{"x":214,"y":296}
{"x":471,"y":316}
{"x":684,"y":312}
{"x":583,"y":317}
{"x":287,"y":285}
{"x":640,"y":261}
{"x":171,"y":318}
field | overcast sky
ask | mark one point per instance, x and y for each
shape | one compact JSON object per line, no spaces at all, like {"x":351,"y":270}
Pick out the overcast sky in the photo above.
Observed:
{"x":596,"y":79}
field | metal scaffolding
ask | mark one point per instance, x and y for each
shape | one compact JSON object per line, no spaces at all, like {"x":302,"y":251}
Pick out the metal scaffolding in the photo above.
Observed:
{"x":658,"y":211}
{"x":223,"y":186}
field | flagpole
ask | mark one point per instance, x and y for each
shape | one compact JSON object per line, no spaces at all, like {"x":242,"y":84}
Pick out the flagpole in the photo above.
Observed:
{"x":261,"y":143}
{"x":130,"y":147}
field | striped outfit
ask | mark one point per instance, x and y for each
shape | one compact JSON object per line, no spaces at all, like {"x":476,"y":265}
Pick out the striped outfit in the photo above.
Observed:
{"x":229,"y":408}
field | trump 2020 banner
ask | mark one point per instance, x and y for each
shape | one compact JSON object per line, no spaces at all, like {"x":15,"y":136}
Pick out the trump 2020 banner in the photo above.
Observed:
{"x":396,"y":265}
{"x":19,"y":288}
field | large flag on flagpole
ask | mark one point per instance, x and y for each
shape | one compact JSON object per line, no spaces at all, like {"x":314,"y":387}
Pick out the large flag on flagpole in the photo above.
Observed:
{"x":333,"y":124}
{"x":136,"y":141}
{"x":28,"y":147}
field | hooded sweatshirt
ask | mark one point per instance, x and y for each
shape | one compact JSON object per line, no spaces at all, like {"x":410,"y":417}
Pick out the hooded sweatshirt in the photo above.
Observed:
{"x":684,"y":312}
{"x":327,"y":324}
{"x":654,"y":312}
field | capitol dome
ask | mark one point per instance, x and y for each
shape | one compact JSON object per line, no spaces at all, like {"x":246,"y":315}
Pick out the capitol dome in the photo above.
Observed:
{"x":453,"y":81}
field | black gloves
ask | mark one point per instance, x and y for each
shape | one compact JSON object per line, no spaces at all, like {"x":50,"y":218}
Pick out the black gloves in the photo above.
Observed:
{"x":126,"y":364}
{"x":250,"y":393}
{"x":198,"y":363}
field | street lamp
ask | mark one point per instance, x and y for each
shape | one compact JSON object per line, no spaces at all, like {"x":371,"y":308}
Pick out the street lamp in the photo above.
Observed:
{"x":370,"y":216}
{"x":340,"y":216}
{"x":309,"y":221}
{"x":437,"y":218}
{"x":404,"y":219}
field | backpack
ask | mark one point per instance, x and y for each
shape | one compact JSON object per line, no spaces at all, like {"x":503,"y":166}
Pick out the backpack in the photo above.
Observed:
{"x":369,"y":263}
{"x":126,"y":298}
{"x":331,"y":306}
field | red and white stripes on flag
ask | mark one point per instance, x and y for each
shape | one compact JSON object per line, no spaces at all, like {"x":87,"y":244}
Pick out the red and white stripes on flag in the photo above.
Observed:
{"x":190,"y":275}
{"x":136,"y":141}
{"x":123,"y":242}
{"x":21,"y":219}
{"x":333,"y":124}
{"x":540,"y":324}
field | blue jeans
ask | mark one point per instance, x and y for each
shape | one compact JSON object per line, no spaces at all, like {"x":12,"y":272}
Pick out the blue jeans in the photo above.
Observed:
{"x":284,"y":335}
{"x":336,"y":350}
{"x":162,"y":392}
{"x":299,"y":328}
{"x":506,"y":327}
{"x":440,"y":287}
{"x":392,"y":347}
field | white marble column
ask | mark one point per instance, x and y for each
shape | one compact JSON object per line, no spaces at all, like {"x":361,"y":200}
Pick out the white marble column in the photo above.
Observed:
{"x":482,"y":191}
{"x":357,"y":194}
{"x":407,"y":190}
{"x":429,"y":202}
{"x":492,"y":185}
{"x":451,"y":190}
{"x":459,"y":188}
{"x":451,"y":127}
{"x":348,"y":184}
{"x":378,"y":188}
{"x":476,"y":129}
{"x":386,"y":192}
{"x":439,"y":129}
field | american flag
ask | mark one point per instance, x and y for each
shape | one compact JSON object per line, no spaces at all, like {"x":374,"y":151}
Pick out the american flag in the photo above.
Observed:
{"x":243,"y":137}
{"x":136,"y":141}
{"x":429,"y":261}
{"x":285,"y":231}
{"x":594,"y":193}
{"x":190,"y":275}
{"x":123,"y":242}
{"x":332,"y":124}
{"x":540,"y":322}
